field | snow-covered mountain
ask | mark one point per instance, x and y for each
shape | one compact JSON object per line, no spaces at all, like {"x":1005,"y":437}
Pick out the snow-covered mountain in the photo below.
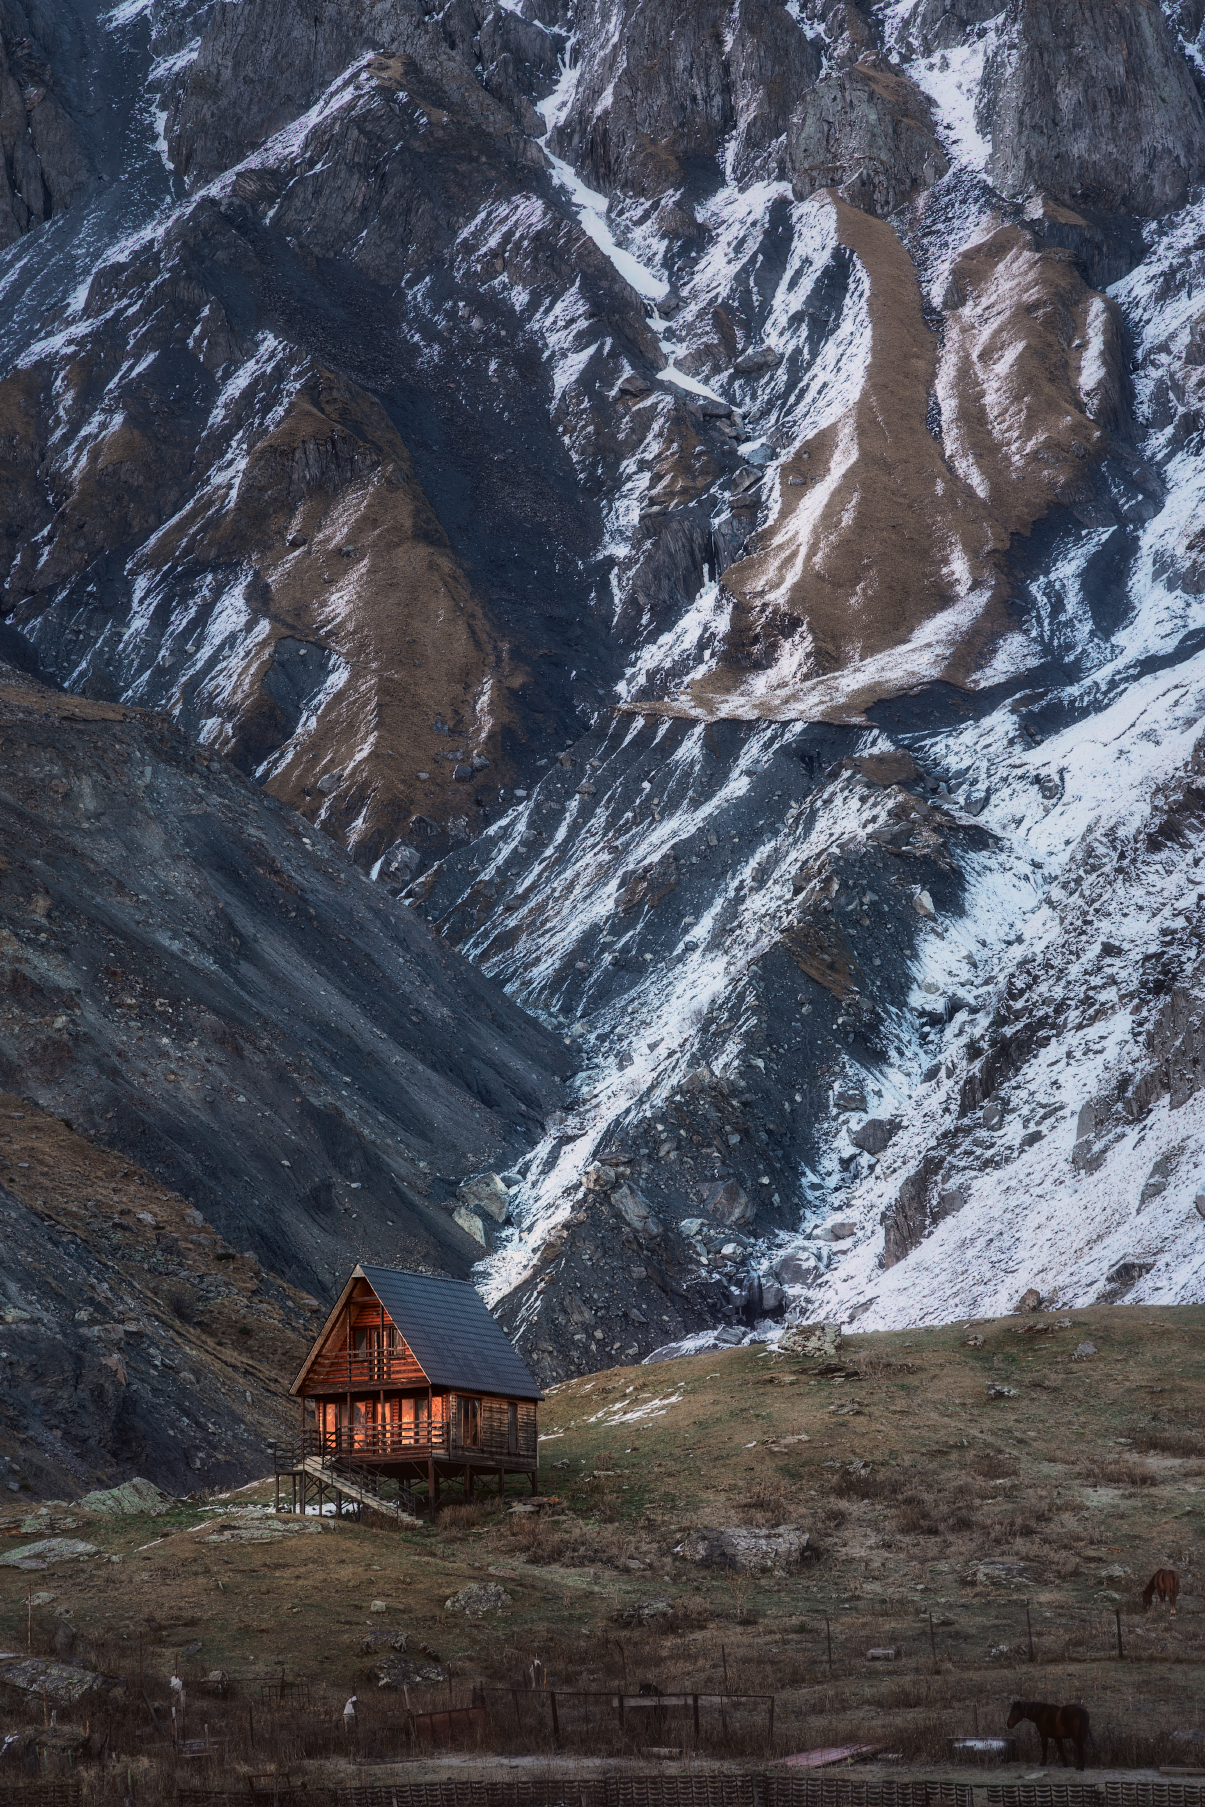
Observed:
{"x":707,"y":501}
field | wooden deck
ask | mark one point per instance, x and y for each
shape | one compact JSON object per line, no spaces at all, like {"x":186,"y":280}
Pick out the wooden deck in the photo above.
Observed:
{"x":318,"y":1467}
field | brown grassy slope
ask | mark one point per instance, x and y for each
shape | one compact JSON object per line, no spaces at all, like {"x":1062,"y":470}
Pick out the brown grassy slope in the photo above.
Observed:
{"x":952,"y":1480}
{"x":884,"y":565}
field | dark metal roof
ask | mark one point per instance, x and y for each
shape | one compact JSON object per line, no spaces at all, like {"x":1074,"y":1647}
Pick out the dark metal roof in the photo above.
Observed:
{"x":453,"y":1337}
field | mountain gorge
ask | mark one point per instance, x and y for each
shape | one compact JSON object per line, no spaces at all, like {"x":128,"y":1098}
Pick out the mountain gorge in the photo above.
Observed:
{"x":673,"y":534}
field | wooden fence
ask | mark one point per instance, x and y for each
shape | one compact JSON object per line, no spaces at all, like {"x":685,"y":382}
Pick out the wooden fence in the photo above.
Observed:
{"x":766,"y":1788}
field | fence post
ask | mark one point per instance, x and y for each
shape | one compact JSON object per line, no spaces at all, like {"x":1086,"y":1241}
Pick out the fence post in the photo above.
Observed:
{"x":933,"y":1640}
{"x":828,"y":1632}
{"x":694,"y":1703}
{"x":1120,"y":1651}
{"x":556,"y":1724}
{"x":1029,"y":1629}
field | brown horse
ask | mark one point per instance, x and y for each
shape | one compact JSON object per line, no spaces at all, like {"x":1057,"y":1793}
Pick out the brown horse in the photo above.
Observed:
{"x":1165,"y":1583}
{"x":1054,"y":1722}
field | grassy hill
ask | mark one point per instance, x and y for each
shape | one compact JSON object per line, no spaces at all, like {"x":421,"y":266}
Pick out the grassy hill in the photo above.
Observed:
{"x":935,"y":1513}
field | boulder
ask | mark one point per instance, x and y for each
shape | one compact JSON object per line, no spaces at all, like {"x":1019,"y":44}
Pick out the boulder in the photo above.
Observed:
{"x":727,"y":1203}
{"x":756,"y":359}
{"x":635,"y":1210}
{"x":1030,"y":1301}
{"x":797,"y":1270}
{"x":873,"y":1136}
{"x":849,"y":1098}
{"x":400,"y":862}
{"x":1156,"y":1180}
{"x":470,"y":1223}
{"x":477,"y":1598}
{"x":410,"y":1671}
{"x":136,"y":1496}
{"x":647,"y":1612}
{"x":1124,"y":1273}
{"x":773,"y":1299}
{"x":1084,"y":1352}
{"x":46,"y":1550}
{"x":949,"y":1202}
{"x":819,"y":1341}
{"x":59,"y":1684}
{"x":744,"y":1551}
{"x":484,"y":1192}
{"x":997,"y":1572}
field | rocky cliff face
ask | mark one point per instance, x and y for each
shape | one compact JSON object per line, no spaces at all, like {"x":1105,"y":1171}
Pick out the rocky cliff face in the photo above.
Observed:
{"x":704,"y":500}
{"x":197,"y":981}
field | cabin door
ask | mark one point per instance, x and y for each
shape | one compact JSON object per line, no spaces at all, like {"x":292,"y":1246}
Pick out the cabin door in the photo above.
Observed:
{"x":333,"y":1424}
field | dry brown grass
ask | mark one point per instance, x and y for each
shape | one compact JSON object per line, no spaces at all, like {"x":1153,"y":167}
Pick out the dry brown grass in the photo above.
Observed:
{"x":934,"y":1492}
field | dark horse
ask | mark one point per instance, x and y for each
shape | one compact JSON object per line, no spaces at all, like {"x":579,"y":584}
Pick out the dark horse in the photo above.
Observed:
{"x":1054,"y":1722}
{"x":1165,"y":1583}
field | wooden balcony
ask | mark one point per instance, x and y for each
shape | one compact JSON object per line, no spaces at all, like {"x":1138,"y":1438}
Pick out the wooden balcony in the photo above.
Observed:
{"x":421,"y":1442}
{"x":343,"y":1373}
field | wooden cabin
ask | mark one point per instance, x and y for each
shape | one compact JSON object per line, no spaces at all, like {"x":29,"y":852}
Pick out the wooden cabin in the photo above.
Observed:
{"x":411,"y":1377}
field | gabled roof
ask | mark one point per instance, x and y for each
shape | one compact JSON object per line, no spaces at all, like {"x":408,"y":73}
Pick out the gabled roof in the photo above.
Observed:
{"x":452,"y":1335}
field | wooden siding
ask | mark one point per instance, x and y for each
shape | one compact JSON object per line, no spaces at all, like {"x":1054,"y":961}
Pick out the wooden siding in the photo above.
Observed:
{"x":339,"y":1367}
{"x":495,"y":1429}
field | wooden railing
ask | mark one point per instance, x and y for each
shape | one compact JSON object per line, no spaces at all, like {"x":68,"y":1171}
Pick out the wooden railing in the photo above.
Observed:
{"x":420,"y":1439}
{"x":379,"y":1367}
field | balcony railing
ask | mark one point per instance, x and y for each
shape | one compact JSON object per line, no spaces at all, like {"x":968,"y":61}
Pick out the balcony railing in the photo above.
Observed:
{"x":419,"y":1439}
{"x":378,"y":1367}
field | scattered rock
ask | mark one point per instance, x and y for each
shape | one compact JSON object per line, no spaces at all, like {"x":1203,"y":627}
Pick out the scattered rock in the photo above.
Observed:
{"x":646,"y":1613}
{"x":922,"y":903}
{"x":993,"y":1114}
{"x":330,"y":781}
{"x":1084,"y":1352}
{"x":849,"y":1098}
{"x":746,"y":1552}
{"x":881,"y":1653}
{"x":997,"y":1390}
{"x":997,"y":1572}
{"x":477,"y":1598}
{"x":634,"y":384}
{"x":949,"y":1202}
{"x":1030,"y":1301}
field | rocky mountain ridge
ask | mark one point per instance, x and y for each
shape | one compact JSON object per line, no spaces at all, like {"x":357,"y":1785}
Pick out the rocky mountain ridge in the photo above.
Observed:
{"x":703,"y":502}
